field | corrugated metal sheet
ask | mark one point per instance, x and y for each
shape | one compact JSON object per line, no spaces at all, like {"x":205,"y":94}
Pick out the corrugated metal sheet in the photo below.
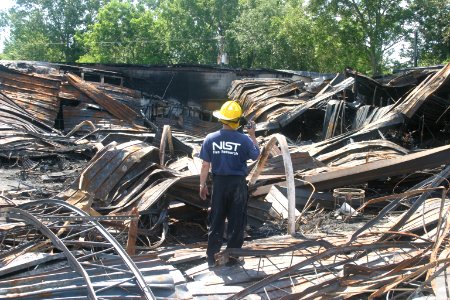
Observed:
{"x":23,"y":135}
{"x":116,"y":108}
{"x":74,"y":115}
{"x":14,"y":115}
{"x":37,"y":94}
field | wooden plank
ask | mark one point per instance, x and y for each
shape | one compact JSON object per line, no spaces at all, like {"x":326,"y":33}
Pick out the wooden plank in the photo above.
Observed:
{"x":187,"y":257}
{"x":301,"y":160}
{"x":422,"y":92}
{"x":132,"y":233}
{"x":441,"y":284}
{"x":166,"y":138}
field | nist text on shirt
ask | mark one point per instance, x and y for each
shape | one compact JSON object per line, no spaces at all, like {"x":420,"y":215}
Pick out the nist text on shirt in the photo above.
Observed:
{"x":225,"y":147}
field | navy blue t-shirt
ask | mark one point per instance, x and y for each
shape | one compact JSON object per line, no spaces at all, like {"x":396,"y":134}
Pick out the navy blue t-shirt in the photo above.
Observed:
{"x":228,"y":152}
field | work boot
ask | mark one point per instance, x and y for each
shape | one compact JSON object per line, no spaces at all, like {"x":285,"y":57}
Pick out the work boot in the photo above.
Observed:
{"x":235,"y":260}
{"x":211,"y":262}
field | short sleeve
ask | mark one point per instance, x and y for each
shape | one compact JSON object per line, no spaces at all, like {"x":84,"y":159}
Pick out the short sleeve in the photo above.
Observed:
{"x":205,"y":152}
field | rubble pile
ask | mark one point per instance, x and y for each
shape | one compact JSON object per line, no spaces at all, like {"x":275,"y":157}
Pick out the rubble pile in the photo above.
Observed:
{"x":366,"y":162}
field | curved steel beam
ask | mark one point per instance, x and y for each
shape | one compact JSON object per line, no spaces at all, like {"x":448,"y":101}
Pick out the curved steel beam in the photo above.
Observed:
{"x":122,"y":253}
{"x":288,"y":169}
{"x":32,"y":220}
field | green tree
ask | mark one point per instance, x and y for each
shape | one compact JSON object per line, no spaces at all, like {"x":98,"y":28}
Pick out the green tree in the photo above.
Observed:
{"x":194,"y":31}
{"x":337,"y":43}
{"x":368,"y":29}
{"x":124,"y":33}
{"x":293,"y":34}
{"x":28,"y":38}
{"x":45,"y":29}
{"x":274,"y":34}
{"x":253,"y":31}
{"x":432,"y":21}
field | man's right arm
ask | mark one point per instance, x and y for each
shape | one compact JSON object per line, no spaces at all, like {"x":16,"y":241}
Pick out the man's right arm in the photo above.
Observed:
{"x":204,"y":192}
{"x":205,"y":156}
{"x":253,"y":151}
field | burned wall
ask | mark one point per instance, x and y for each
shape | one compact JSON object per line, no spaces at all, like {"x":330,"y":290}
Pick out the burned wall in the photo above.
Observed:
{"x":206,"y":86}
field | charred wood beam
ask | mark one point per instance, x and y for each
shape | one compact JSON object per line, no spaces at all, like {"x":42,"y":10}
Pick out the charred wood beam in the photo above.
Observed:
{"x":417,"y":203}
{"x":374,"y":170}
{"x":20,"y":117}
{"x":422,"y":92}
{"x":166,"y":138}
{"x":260,"y":253}
{"x":389,"y":208}
{"x":290,"y":116}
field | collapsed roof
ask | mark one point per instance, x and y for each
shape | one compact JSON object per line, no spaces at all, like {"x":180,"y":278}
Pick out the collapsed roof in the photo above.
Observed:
{"x":386,"y":140}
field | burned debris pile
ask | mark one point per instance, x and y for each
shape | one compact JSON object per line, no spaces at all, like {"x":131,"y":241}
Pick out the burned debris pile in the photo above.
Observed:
{"x":107,"y":201}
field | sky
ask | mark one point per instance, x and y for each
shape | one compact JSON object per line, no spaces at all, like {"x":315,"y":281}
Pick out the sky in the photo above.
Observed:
{"x":5,"y":4}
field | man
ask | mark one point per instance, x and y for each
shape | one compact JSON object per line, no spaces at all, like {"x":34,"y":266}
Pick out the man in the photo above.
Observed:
{"x":226,"y":152}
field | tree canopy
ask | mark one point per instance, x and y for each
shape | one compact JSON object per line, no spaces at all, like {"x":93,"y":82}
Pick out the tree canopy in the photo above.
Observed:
{"x":123,"y":33}
{"x":432,"y":22}
{"x":193,"y":30}
{"x":45,"y":29}
{"x":314,"y":35}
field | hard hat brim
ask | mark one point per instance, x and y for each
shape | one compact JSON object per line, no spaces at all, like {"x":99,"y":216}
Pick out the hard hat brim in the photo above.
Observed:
{"x":219,"y":116}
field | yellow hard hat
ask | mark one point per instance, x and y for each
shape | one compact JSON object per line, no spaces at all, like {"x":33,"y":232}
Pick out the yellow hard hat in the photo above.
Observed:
{"x":230,"y":110}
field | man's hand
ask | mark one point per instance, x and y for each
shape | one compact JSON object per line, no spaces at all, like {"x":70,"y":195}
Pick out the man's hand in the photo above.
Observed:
{"x":251,"y":132}
{"x":204,"y":192}
{"x":251,"y":128}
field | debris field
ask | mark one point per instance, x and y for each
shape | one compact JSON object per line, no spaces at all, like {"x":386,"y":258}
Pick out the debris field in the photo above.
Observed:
{"x":348,"y":199}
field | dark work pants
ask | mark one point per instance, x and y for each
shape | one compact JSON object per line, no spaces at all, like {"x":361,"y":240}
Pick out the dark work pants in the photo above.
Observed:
{"x":228,"y":201}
